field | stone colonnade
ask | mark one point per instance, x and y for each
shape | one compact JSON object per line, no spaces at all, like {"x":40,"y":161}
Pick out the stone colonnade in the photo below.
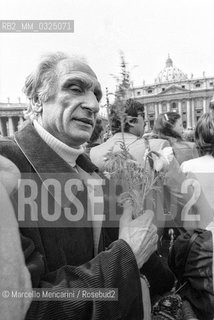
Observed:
{"x":10,"y":124}
{"x":188,"y":113}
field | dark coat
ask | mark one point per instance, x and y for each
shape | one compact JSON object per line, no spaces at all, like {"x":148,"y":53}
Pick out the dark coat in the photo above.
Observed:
{"x":191,"y":258}
{"x":63,"y":257}
{"x":59,"y":256}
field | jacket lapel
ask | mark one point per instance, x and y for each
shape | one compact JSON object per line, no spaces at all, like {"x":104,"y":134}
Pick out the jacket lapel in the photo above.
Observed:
{"x":47,"y":164}
{"x":39,"y":154}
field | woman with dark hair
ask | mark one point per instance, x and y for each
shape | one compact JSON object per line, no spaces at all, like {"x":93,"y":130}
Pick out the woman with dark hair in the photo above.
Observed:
{"x":169,"y":126}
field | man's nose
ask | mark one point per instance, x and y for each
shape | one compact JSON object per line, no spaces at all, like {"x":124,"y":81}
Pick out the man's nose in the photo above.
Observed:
{"x":90,"y":102}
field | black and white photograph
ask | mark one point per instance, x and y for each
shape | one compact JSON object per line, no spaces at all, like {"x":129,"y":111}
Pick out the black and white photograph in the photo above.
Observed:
{"x":106,"y":160}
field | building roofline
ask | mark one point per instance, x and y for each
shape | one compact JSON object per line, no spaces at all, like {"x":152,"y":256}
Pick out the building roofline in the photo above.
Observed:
{"x":170,"y":82}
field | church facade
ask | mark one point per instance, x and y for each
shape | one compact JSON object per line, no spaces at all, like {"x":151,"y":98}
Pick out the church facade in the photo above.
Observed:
{"x":172,"y":90}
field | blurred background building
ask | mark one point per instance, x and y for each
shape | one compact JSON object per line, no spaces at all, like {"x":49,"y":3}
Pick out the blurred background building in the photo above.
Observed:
{"x":172,"y":90}
{"x":11,"y":117}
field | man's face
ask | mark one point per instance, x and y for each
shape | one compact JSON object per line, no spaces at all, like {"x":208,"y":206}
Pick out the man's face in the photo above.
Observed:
{"x":178,"y":127}
{"x":138,"y":127}
{"x":70,"y":115}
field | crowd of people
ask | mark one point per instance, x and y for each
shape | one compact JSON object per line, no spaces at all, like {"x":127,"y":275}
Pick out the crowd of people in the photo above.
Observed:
{"x":57,"y":231}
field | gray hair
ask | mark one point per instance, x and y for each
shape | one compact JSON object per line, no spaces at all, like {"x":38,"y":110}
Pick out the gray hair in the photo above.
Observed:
{"x":41,"y":84}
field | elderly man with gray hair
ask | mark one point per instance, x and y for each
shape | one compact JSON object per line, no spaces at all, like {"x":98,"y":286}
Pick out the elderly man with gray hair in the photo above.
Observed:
{"x":61,"y":229}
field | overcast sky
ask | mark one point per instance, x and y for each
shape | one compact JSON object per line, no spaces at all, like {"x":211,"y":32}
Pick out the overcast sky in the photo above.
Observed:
{"x":145,"y":30}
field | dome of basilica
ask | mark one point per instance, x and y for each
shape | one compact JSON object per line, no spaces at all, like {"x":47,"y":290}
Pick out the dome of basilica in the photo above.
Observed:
{"x":170,"y":73}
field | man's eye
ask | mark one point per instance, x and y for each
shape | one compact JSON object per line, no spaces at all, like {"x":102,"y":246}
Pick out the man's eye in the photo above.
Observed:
{"x":98,"y":95}
{"x":76,"y":89}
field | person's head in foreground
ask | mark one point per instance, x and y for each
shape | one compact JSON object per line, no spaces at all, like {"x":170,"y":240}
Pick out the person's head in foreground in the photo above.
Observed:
{"x":169,"y":124}
{"x":97,"y":134}
{"x":204,"y":134}
{"x":133,"y":119}
{"x":64,"y":96}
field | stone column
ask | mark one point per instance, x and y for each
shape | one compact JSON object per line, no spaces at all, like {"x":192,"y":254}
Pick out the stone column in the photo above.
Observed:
{"x":193,"y":114}
{"x":4,"y":127}
{"x":180,"y":108}
{"x":188,"y":114}
{"x":145,"y":111}
{"x":1,"y":127}
{"x":10,"y":126}
{"x":160,"y":108}
{"x":146,"y":118}
{"x":168,"y":107}
{"x":20,"y":122}
{"x":156,"y":111}
{"x":204,"y":106}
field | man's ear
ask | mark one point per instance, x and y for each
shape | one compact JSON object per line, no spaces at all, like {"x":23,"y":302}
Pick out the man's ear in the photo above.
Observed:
{"x":131,"y":121}
{"x":36,"y":104}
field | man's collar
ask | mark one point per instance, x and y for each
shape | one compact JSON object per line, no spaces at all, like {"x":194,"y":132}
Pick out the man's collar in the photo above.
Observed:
{"x":42,"y":157}
{"x":69,"y":154}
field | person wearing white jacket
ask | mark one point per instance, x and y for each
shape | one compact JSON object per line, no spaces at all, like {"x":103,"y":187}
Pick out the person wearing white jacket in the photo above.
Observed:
{"x":14,"y":276}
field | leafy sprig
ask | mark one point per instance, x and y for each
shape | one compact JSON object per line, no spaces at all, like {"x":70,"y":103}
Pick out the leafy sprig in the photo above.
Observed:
{"x":137,"y":179}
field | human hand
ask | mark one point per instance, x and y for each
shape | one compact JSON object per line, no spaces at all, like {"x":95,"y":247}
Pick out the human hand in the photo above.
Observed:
{"x":140,"y":234}
{"x":9,"y":174}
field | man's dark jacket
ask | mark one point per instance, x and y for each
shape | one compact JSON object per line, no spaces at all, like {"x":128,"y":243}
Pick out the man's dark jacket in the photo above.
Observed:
{"x":62,"y":255}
